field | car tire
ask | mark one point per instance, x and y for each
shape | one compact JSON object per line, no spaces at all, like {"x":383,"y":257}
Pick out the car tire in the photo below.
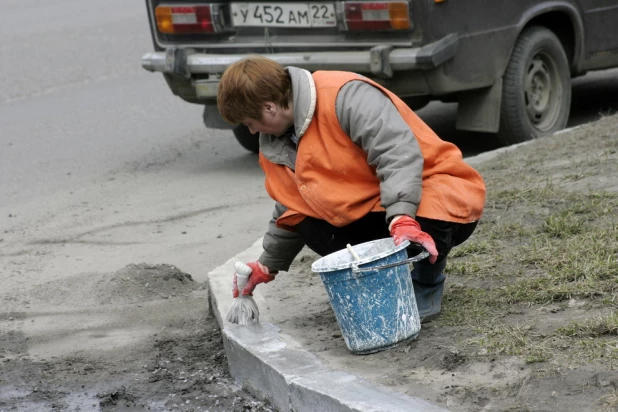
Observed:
{"x":536,"y":89}
{"x":248,"y":140}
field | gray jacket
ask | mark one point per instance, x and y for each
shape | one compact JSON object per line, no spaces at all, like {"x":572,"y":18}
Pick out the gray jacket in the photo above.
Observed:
{"x":372,"y":121}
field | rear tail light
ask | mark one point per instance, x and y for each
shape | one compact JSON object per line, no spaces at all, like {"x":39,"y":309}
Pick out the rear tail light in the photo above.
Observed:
{"x":392,"y":15}
{"x":187,"y":19}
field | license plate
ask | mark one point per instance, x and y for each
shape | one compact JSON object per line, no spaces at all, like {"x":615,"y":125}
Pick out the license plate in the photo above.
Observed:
{"x":284,"y":14}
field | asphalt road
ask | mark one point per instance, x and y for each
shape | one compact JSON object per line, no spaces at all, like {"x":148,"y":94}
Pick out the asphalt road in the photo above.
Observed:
{"x":74,"y":100}
{"x":75,"y":105}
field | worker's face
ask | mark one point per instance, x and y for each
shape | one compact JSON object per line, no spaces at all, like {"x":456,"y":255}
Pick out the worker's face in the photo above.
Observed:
{"x":274,"y":121}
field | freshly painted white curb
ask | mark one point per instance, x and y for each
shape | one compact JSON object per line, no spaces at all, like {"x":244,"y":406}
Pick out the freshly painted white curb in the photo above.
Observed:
{"x":276,"y":368}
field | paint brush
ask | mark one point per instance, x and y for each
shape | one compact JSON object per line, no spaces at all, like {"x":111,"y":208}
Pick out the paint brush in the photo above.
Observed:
{"x":244,"y":310}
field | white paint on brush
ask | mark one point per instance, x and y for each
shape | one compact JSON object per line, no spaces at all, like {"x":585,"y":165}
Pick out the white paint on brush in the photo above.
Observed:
{"x":244,"y":310}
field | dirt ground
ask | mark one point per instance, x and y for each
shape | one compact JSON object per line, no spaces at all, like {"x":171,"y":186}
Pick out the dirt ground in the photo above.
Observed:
{"x":141,"y":337}
{"x":497,"y":347}
{"x":51,"y":357}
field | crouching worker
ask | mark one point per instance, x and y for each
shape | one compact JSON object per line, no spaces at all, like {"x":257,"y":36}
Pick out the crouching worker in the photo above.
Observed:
{"x":346,"y":161}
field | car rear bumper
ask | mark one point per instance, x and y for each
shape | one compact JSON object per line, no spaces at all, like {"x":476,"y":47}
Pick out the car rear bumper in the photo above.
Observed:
{"x":381,"y":61}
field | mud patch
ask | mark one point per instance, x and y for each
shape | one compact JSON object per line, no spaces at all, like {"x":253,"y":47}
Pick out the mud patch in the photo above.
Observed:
{"x":173,"y":358}
{"x":117,"y":398}
{"x":452,"y":360}
{"x":184,"y":370}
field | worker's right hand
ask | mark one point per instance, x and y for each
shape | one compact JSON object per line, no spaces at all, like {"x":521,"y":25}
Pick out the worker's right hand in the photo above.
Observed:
{"x":259,"y":274}
{"x":404,"y":228}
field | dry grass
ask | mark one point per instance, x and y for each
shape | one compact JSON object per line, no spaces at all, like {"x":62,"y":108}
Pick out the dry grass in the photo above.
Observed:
{"x":549,"y":237}
{"x":610,"y":401}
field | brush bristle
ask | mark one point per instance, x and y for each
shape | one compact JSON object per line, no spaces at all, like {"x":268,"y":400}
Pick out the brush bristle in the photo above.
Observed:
{"x":244,"y":311}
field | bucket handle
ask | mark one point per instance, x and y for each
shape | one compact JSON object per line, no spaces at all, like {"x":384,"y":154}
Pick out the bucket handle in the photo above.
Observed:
{"x":413,"y":259}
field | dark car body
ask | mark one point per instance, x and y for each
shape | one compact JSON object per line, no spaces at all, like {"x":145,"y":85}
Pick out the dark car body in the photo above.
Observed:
{"x":451,"y":50}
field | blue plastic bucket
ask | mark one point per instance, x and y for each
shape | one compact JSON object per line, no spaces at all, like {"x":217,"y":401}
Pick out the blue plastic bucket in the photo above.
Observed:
{"x":373,"y":297}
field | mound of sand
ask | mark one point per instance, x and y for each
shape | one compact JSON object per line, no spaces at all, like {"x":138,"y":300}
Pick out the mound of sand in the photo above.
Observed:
{"x":133,"y":283}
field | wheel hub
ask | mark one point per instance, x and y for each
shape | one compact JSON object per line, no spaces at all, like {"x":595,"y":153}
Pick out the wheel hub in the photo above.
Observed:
{"x":538,"y":90}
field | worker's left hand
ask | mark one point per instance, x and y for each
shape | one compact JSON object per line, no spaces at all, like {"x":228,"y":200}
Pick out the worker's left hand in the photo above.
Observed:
{"x":404,"y":228}
{"x":259,"y":274}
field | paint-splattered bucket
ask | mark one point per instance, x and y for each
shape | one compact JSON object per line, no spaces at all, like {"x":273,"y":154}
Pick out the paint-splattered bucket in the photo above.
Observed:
{"x":373,"y":298}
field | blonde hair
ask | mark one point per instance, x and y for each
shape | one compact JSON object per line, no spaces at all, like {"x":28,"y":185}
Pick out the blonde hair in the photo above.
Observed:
{"x":249,"y":83}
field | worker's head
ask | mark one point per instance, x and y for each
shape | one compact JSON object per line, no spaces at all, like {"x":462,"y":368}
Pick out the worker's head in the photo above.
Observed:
{"x":256,"y":92}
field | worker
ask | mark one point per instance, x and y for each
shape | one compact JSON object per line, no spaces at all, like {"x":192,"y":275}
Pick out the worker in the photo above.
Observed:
{"x":347,"y":161}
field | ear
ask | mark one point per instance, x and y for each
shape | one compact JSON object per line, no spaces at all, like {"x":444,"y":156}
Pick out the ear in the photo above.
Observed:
{"x":270,"y":108}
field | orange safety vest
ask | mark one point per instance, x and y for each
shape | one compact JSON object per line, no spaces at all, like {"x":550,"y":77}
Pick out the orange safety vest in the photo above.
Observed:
{"x":334,"y":182}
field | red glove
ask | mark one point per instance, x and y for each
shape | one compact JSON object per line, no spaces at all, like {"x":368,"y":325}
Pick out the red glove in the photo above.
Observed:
{"x":405,"y":228}
{"x":259,"y":274}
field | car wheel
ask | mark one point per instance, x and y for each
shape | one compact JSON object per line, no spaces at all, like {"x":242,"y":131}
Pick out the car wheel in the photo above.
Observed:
{"x":536,"y":89}
{"x":247,"y":139}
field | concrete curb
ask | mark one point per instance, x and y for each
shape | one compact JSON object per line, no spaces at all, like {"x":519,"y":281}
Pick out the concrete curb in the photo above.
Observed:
{"x":275,"y":367}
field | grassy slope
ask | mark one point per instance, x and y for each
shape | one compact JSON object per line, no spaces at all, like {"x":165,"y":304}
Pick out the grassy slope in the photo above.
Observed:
{"x":547,"y":243}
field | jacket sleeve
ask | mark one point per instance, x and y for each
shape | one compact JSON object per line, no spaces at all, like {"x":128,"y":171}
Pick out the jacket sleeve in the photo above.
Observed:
{"x":373,"y":122}
{"x":280,"y":246}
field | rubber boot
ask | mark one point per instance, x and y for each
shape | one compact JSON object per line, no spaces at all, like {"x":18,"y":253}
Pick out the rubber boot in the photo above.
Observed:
{"x":428,"y":281}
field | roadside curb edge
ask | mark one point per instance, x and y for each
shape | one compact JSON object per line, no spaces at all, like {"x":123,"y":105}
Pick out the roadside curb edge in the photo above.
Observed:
{"x":274,"y":367}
